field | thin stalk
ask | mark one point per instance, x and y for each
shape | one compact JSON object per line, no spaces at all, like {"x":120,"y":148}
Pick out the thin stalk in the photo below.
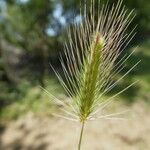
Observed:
{"x":81,"y":135}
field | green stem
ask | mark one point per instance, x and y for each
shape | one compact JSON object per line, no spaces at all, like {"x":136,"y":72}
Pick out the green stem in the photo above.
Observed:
{"x":81,"y":135}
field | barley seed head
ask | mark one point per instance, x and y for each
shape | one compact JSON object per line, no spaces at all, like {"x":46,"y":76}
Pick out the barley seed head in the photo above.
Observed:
{"x":91,"y":58}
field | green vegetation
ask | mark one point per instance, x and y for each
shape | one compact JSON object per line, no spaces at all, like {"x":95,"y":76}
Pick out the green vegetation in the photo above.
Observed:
{"x":27,"y":98}
{"x":32,"y":34}
{"x":140,"y":73}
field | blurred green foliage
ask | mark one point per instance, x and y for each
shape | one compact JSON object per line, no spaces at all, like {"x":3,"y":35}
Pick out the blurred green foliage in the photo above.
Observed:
{"x":32,"y":34}
{"x":26,"y":98}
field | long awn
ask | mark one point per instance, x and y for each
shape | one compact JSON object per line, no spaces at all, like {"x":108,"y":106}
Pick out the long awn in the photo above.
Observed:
{"x":93,"y":57}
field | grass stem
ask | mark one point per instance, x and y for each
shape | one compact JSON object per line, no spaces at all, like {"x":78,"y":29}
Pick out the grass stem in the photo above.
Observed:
{"x":81,"y":135}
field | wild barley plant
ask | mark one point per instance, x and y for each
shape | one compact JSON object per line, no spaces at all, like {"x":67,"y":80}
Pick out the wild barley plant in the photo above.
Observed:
{"x":93,"y":58}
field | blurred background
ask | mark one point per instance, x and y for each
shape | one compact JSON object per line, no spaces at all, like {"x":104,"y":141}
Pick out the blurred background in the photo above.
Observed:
{"x":32,"y":35}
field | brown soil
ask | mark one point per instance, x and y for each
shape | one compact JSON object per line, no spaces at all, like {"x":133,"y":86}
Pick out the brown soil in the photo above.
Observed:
{"x":43,"y":133}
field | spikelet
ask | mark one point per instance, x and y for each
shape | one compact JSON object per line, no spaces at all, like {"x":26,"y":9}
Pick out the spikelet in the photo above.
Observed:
{"x":91,"y":59}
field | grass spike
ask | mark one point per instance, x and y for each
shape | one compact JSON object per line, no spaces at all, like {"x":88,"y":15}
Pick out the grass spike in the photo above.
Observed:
{"x":91,"y":59}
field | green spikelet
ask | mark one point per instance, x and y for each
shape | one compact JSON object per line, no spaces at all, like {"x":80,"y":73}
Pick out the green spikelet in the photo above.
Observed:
{"x":90,"y":77}
{"x":91,"y":65}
